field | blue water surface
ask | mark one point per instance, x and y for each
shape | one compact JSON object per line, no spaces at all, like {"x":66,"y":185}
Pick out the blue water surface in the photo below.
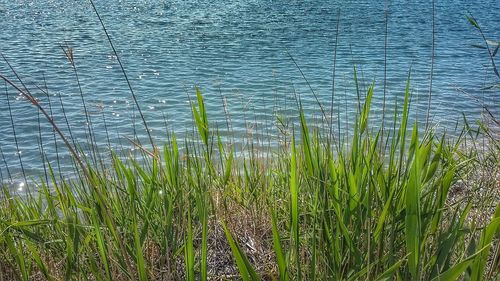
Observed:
{"x":241,"y":54}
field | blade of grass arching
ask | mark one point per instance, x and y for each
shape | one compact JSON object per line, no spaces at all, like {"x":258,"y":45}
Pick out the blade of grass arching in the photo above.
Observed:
{"x":458,"y":269}
{"x":389,"y":273}
{"x":144,"y":175}
{"x":94,"y":269}
{"x":448,"y":239}
{"x":489,"y":232}
{"x":334,"y":180}
{"x":294,"y":201}
{"x":101,"y":243}
{"x":442,"y":195}
{"x":18,"y":256}
{"x":383,"y":215}
{"x":413,"y":215}
{"x":38,"y":261}
{"x":355,"y":276}
{"x":278,"y":250}
{"x":141,"y":265}
{"x":246,"y":270}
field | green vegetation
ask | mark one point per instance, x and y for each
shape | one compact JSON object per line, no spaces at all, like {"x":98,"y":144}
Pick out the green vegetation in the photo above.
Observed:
{"x":396,"y":203}
{"x":311,"y":209}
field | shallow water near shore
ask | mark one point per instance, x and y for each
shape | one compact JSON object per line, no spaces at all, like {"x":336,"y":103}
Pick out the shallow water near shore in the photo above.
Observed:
{"x":239,"y":54}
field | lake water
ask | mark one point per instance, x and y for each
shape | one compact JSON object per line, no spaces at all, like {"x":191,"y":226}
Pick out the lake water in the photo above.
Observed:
{"x":239,"y":54}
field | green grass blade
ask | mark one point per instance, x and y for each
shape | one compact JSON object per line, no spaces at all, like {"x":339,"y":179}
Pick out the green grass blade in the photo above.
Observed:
{"x":189,"y":251}
{"x":454,"y":272}
{"x":412,"y":220}
{"x":101,"y":244}
{"x":294,"y":201}
{"x":35,"y":254}
{"x":246,"y":270}
{"x":487,"y":236}
{"x":18,"y":256}
{"x":278,"y":250}
{"x":389,"y":273}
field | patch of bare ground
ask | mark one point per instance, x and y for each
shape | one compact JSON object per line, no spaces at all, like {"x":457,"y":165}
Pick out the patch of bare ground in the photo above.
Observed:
{"x":251,"y":229}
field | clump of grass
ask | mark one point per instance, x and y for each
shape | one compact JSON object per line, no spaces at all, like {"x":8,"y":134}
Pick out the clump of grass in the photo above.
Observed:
{"x":356,"y":212}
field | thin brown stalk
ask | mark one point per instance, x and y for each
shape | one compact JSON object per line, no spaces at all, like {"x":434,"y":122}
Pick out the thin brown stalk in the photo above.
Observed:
{"x":68,"y":51}
{"x":310,"y":88}
{"x":490,"y":53}
{"x":45,"y":91}
{"x":124,"y":74}
{"x":386,"y":35}
{"x":41,"y":149}
{"x":14,"y":134}
{"x":333,"y":76}
{"x":106,"y":128}
{"x":492,"y":116}
{"x":6,"y":165}
{"x":35,"y":102}
{"x":432,"y":65}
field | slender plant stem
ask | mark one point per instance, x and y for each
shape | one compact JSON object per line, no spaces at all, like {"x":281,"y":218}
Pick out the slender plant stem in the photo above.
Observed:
{"x":124,"y":74}
{"x":333,"y":74}
{"x":432,"y":64}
